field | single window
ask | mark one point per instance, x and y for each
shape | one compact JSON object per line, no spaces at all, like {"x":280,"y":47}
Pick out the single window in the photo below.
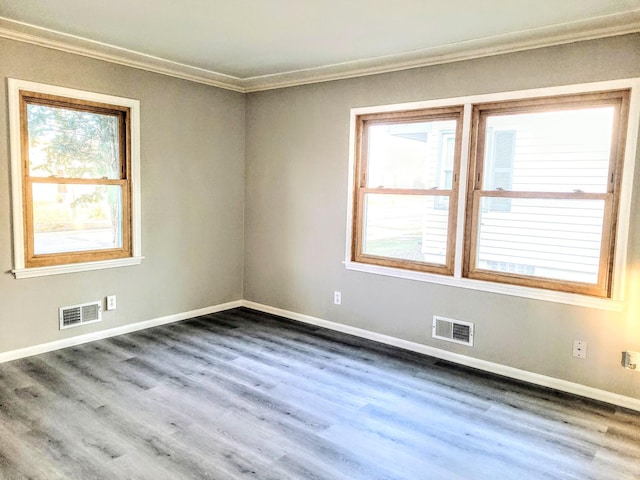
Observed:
{"x":407,"y":187}
{"x":75,"y":184}
{"x":544,"y":191}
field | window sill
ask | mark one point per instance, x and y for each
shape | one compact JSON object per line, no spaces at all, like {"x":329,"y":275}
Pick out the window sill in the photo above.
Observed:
{"x":513,"y":290}
{"x":75,"y":267}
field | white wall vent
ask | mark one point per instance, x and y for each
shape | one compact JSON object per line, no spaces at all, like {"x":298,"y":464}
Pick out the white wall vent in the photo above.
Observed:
{"x":455,"y":331}
{"x":76,"y":315}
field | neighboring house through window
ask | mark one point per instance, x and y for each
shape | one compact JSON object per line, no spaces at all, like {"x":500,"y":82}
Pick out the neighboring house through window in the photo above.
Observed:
{"x":501,"y":152}
{"x":446,"y":156}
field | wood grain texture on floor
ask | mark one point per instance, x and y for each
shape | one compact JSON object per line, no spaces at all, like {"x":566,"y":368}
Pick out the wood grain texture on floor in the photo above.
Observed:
{"x":246,"y":395}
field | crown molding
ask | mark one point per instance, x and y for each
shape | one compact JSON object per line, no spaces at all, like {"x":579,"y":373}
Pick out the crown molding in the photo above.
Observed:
{"x":43,"y":37}
{"x":559,"y":34}
{"x":591,"y":29}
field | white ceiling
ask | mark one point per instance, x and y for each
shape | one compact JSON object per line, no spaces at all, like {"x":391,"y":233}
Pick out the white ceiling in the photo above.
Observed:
{"x":254,"y":42}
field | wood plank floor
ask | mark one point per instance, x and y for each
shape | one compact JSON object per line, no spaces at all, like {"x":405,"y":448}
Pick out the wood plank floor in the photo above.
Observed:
{"x":241,"y":394}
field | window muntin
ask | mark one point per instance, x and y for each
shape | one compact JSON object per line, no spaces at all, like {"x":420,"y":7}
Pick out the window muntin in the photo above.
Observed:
{"x":558,"y":231}
{"x":405,"y":206}
{"x":76,"y":180}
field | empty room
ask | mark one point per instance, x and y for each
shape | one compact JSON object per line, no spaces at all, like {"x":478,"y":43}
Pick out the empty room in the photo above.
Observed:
{"x":324,"y":240}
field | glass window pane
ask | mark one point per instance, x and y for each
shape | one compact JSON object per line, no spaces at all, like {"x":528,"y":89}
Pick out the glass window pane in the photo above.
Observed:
{"x":72,"y":144}
{"x":72,"y":218}
{"x":557,"y":239}
{"x":411,"y":155}
{"x":555,"y":151}
{"x":407,"y":227}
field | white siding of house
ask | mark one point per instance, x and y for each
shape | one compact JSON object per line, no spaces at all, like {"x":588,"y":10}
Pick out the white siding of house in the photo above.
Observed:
{"x":554,"y":152}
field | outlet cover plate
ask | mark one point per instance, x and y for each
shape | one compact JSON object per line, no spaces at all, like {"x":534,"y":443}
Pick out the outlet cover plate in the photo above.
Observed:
{"x":111,"y":302}
{"x":580,"y":349}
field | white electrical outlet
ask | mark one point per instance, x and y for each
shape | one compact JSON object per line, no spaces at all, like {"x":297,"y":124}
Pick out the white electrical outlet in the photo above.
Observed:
{"x":631,"y":360}
{"x":111,"y":302}
{"x":337,"y":298}
{"x":580,"y":349}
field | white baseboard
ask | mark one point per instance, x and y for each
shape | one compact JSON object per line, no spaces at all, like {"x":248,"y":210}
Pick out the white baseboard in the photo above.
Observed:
{"x":515,"y":373}
{"x":112,"y":332}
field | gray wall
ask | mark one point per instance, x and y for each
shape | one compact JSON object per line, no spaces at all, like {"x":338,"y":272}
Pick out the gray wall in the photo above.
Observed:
{"x":192,"y":165}
{"x":296,"y":210}
{"x":194,"y":194}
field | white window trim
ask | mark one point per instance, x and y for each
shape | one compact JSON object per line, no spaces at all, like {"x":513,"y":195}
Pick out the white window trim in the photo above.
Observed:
{"x":616,"y":302}
{"x":19,"y":270}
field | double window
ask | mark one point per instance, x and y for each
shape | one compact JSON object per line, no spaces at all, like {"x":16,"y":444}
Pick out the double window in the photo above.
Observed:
{"x":523,"y":192}
{"x":73,"y":170}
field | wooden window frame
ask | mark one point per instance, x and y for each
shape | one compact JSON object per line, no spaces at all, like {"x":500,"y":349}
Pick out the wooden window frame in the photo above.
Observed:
{"x":361,"y":188}
{"x":129,"y":252}
{"x":619,"y":99}
{"x":124,"y":133}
